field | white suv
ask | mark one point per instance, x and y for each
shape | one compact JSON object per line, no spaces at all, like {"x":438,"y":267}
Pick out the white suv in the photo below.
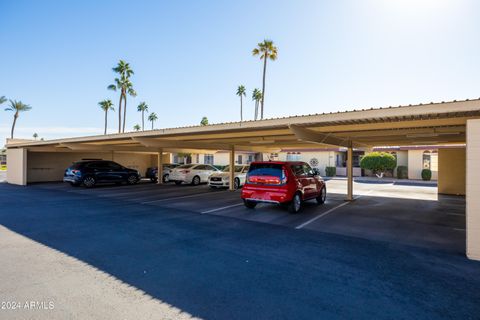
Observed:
{"x":192,"y":173}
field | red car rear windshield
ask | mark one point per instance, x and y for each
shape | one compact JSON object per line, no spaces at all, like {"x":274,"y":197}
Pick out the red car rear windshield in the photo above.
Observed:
{"x":266,"y":173}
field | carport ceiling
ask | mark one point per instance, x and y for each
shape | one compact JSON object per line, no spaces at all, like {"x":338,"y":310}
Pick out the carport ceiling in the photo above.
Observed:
{"x":435,"y":123}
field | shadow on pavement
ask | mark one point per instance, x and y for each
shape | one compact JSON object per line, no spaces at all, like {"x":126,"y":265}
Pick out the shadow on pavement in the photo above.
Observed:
{"x":219,"y":268}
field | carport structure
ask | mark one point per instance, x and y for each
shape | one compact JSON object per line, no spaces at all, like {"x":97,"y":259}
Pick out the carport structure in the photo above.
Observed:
{"x":456,"y":122}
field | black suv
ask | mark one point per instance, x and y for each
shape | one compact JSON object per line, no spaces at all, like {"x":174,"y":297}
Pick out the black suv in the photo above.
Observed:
{"x":91,"y":172}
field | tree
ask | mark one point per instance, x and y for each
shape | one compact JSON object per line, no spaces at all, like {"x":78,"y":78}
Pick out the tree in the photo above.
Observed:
{"x":137,"y":127}
{"x":152,"y":117}
{"x":17,"y":107}
{"x":106,"y":105}
{"x":241,"y":93}
{"x":35,"y":136}
{"x":257,"y":97}
{"x":204,"y":121}
{"x":378,"y":162}
{"x":3,"y":99}
{"x":142,"y":107}
{"x":125,"y":86}
{"x":266,"y":50}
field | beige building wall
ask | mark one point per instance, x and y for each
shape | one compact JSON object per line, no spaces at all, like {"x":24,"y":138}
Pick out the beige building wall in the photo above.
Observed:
{"x":223,"y":158}
{"x":402,"y":158}
{"x":17,"y":166}
{"x":415,"y":165}
{"x":50,"y":166}
{"x":316,"y":159}
{"x":473,"y":189}
{"x":451,"y":171}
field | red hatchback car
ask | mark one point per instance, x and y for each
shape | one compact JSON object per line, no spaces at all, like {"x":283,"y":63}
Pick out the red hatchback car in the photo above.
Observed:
{"x":282,"y":182}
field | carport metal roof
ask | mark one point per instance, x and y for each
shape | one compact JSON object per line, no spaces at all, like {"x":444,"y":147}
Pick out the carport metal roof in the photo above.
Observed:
{"x":423,"y":124}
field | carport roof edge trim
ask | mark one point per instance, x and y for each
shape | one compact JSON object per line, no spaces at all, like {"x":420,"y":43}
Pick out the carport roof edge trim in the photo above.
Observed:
{"x":450,"y":107}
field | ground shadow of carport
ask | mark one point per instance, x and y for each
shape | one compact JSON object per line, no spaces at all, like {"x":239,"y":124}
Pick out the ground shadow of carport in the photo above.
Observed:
{"x":213,"y":267}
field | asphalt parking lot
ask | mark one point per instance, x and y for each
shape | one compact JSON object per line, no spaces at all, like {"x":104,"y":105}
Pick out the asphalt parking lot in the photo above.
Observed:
{"x":184,"y":251}
{"x":406,"y":214}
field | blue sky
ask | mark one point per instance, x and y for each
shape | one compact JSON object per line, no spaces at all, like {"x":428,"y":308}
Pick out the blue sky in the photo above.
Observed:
{"x":190,"y":56}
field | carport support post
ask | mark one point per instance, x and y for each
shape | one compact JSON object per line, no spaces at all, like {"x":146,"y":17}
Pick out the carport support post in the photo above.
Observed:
{"x":232,"y":168}
{"x":160,"y":166}
{"x":473,"y":189}
{"x":350,"y":172}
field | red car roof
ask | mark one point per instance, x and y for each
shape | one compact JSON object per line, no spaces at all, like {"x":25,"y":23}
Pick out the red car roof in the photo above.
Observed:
{"x":278,"y":162}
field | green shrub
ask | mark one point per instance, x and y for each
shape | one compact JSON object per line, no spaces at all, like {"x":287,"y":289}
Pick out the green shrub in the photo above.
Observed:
{"x":330,"y":171}
{"x":426,"y":174}
{"x":378,"y":162}
{"x":402,"y":172}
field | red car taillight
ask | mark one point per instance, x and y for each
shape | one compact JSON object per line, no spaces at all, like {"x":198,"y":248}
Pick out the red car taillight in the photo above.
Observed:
{"x":266,"y":179}
{"x":185,"y":171}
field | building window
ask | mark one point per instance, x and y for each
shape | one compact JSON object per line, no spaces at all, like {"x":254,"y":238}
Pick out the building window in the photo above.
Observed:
{"x":208,"y":159}
{"x":430,"y":160}
{"x":294,"y":156}
{"x":427,"y":160}
{"x":251,"y":158}
{"x":274,"y":156}
{"x":239,"y":159}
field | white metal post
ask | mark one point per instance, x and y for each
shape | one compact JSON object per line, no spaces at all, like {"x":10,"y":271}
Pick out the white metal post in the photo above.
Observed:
{"x":350,"y":173}
{"x":232,"y":168}
{"x":160,"y":166}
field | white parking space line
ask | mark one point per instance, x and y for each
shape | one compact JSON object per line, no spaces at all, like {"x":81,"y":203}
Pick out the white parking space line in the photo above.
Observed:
{"x":329,"y":211}
{"x":322,"y":215}
{"x":222,"y":208}
{"x":113,"y":194}
{"x":175,"y":198}
{"x":456,"y":214}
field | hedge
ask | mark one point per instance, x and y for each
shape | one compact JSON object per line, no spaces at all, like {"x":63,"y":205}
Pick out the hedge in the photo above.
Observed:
{"x":330,"y":171}
{"x":426,"y":174}
{"x":402,"y":172}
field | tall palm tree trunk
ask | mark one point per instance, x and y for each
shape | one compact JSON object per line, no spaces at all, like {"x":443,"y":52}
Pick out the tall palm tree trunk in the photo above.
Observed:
{"x":143,"y":121}
{"x":152,"y":125}
{"x":241,"y":109}
{"x":124,"y":111}
{"x":263,"y":84}
{"x":256,"y":109}
{"x":105,"y":131}
{"x":14,"y":122}
{"x":120,"y":113}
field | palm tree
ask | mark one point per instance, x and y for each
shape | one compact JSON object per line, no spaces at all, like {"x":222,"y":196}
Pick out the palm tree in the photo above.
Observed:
{"x":17,"y":107}
{"x":35,"y":136}
{"x":257,"y":97}
{"x":2,"y":99}
{"x":152,"y":117}
{"x":241,"y":93}
{"x":204,"y":121}
{"x":125,"y":86}
{"x":136,"y":127}
{"x":266,"y":50}
{"x":143,"y":107}
{"x":106,"y":105}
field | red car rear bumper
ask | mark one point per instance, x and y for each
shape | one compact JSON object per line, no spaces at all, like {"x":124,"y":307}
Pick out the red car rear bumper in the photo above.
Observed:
{"x":262,"y":195}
